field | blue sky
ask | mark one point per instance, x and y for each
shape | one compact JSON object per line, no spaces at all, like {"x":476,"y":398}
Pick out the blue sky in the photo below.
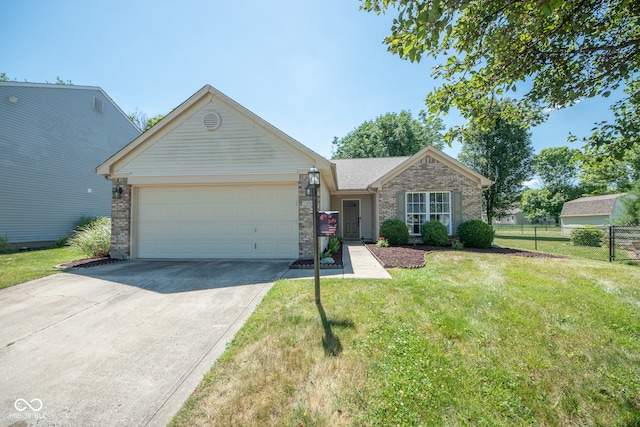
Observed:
{"x":314,"y":69}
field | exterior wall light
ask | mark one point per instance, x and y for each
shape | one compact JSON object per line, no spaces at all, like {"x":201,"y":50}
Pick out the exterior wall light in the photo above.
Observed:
{"x":117,"y":193}
{"x":314,"y":178}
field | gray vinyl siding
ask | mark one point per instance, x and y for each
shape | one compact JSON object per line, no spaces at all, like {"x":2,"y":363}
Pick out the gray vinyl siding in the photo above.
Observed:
{"x":51,"y":141}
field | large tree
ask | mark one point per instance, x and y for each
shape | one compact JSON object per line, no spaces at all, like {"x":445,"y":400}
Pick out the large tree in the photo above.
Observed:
{"x":555,"y":52}
{"x":610,"y":175}
{"x":557,"y":167}
{"x":631,"y":207}
{"x":503,"y":154}
{"x":390,"y":134}
{"x":539,"y":204}
{"x":558,"y":171}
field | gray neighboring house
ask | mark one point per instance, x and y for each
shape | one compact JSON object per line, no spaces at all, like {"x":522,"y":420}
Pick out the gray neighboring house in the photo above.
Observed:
{"x":213,"y":180}
{"x":595,"y":210}
{"x":515,"y":216}
{"x":51,"y":138}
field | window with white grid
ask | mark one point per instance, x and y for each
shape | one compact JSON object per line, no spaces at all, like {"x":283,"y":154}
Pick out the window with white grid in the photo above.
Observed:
{"x":427,"y":206}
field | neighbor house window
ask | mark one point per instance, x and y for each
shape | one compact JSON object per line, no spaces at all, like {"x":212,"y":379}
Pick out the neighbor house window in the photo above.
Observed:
{"x":425,"y":206}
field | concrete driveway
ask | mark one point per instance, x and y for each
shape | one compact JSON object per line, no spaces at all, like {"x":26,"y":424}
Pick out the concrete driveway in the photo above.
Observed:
{"x":120,"y":344}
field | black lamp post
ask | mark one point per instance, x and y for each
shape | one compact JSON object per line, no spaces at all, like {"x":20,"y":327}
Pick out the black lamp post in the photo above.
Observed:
{"x":314,"y":184}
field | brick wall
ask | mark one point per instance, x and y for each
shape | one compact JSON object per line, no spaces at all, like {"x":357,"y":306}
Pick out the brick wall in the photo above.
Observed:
{"x":429,"y":174}
{"x":121,"y":221}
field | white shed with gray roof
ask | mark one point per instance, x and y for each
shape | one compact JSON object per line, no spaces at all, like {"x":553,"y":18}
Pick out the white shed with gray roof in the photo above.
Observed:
{"x":594,"y":210}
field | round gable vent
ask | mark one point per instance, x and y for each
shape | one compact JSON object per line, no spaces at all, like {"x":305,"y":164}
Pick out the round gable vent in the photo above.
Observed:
{"x":212,"y":121}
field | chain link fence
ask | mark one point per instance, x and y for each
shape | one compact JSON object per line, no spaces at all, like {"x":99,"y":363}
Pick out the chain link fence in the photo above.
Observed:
{"x":606,"y":243}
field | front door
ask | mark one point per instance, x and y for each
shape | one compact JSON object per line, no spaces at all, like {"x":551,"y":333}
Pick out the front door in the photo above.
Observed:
{"x":351,"y":219}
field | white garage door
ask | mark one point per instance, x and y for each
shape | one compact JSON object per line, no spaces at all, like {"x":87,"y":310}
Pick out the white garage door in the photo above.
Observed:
{"x":217,"y":222}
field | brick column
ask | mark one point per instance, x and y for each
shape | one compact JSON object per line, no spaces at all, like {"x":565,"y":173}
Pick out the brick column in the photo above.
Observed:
{"x":121,"y":221}
{"x":305,"y":220}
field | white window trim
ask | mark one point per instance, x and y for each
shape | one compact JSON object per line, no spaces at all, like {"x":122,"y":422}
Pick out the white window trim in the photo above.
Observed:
{"x":427,"y":213}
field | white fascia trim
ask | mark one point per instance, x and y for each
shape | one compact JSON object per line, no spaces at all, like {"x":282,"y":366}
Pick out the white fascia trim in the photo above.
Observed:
{"x":213,"y":179}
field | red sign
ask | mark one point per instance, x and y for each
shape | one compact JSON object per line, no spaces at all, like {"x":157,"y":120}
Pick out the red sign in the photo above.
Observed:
{"x":328,"y":223}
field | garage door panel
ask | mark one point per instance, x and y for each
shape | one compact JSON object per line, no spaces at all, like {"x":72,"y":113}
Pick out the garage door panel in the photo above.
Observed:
{"x":217,"y":222}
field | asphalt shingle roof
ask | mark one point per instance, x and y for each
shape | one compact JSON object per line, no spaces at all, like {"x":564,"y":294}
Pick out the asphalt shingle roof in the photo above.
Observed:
{"x":358,"y":174}
{"x":591,"y":206}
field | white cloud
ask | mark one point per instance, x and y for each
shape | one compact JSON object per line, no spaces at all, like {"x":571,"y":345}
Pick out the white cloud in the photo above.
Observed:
{"x":534,"y":183}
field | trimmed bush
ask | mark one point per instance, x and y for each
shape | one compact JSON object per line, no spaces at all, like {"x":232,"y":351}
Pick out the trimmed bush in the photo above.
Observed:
{"x":5,"y":246}
{"x":587,"y":235}
{"x":382,"y":243}
{"x":476,"y":234}
{"x":395,"y":231}
{"x":94,"y":238}
{"x":434,"y":233}
{"x":334,"y":245}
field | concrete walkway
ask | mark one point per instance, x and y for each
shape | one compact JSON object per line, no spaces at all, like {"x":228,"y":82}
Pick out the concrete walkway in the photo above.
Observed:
{"x":358,"y":263}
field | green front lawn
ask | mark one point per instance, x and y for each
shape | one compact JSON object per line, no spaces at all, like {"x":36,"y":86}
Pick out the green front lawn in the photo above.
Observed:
{"x":549,"y":240}
{"x":21,"y":267}
{"x":469,"y":339}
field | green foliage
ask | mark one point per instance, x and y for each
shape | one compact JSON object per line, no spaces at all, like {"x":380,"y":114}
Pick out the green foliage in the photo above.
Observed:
{"x":457,"y":246}
{"x":540,"y":204}
{"x":94,"y":238}
{"x":59,"y":81}
{"x":610,"y":175}
{"x":475,"y":233}
{"x":587,"y":235}
{"x":564,"y":50}
{"x":395,"y":231}
{"x":5,"y":246}
{"x":84,"y":221}
{"x":63,"y":241}
{"x":557,"y":167}
{"x":614,"y":140}
{"x":334,"y":245}
{"x":503,"y":154}
{"x":434,"y":233}
{"x":631,"y":207}
{"x":389,"y":135}
{"x":142,"y":121}
{"x":382,"y":243}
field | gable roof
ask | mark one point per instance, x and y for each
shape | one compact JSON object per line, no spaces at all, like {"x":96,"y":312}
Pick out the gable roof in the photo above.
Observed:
{"x":359,"y":174}
{"x":68,"y":87}
{"x":591,"y":206}
{"x":371,"y":173}
{"x":205,"y":94}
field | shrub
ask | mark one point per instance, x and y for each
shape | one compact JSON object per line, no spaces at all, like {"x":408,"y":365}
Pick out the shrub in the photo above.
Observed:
{"x":334,"y":245}
{"x":588,"y":235}
{"x":476,"y":234}
{"x":94,"y":238}
{"x":5,"y":246}
{"x":62,"y":241}
{"x":395,"y":231}
{"x":382,"y":243}
{"x":434,"y":233}
{"x":84,"y":221}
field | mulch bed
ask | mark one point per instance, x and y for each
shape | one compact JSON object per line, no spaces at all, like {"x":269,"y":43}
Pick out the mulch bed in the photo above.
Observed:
{"x":89,"y":262}
{"x":308,"y":263}
{"x":413,"y":256}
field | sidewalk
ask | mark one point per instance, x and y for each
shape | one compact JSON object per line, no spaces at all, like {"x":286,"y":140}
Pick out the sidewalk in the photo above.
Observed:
{"x":358,"y":263}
